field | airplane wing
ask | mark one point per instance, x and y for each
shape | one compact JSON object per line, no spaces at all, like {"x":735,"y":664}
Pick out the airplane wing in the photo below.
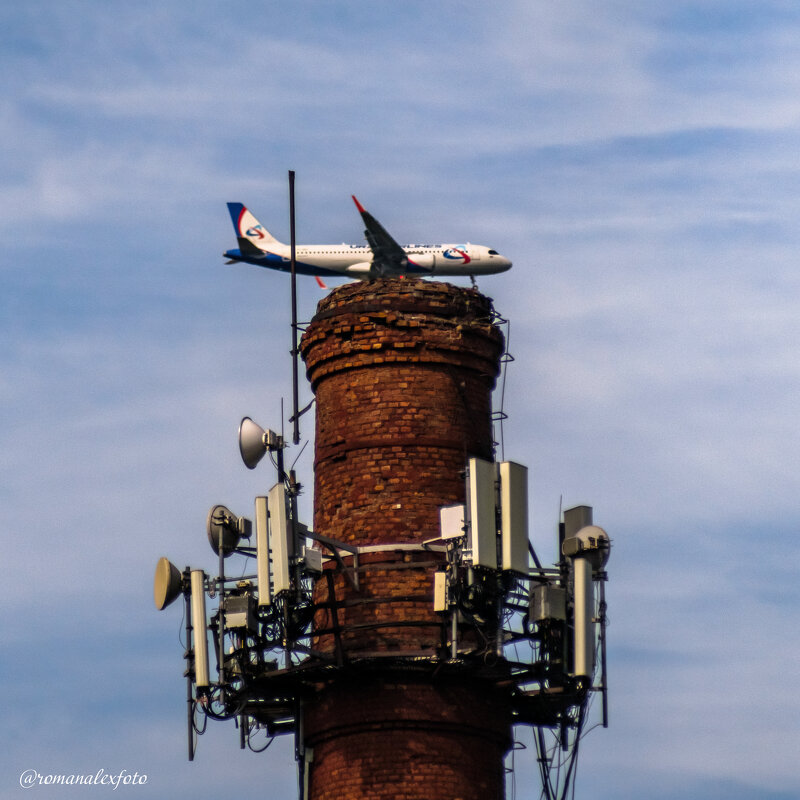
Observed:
{"x":388,"y":258}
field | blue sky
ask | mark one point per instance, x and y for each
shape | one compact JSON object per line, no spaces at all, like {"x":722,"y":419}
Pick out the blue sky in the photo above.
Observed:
{"x":639,"y":165}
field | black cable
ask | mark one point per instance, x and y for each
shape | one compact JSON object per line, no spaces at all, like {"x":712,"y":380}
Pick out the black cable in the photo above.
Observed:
{"x":574,"y":754}
{"x":505,"y":359}
{"x":194,"y":721}
{"x":270,"y":740}
{"x":182,"y":629}
{"x":300,"y":453}
{"x":544,"y":765}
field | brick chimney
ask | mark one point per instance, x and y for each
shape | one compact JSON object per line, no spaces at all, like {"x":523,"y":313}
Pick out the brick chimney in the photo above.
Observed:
{"x":402,"y":371}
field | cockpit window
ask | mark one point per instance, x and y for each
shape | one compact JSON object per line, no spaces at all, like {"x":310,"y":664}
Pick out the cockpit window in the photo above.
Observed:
{"x":493,"y":253}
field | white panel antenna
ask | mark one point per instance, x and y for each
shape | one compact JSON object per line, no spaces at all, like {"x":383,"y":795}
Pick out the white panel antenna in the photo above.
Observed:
{"x":588,"y":551}
{"x":199,"y":629}
{"x":481,"y":497}
{"x":451,"y":521}
{"x":313,"y":560}
{"x":583,"y":599}
{"x":279,"y":538}
{"x":262,"y":553}
{"x":514,"y":516}
{"x":439,"y":591}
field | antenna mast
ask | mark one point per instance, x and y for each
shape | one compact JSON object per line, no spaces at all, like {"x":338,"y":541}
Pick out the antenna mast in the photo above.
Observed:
{"x":293,"y":266}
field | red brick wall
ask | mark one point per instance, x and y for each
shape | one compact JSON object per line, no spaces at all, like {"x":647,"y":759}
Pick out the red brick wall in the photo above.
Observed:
{"x":380,"y":738}
{"x":403,"y":372}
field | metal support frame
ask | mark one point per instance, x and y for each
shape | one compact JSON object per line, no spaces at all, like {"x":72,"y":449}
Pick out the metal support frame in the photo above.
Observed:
{"x":337,"y":631}
{"x":189,"y":656}
{"x":293,"y":268}
{"x":269,"y":696}
{"x":541,"y":689}
{"x":335,"y":547}
{"x":601,"y":579}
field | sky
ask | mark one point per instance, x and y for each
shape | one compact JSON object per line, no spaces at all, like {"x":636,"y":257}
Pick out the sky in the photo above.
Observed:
{"x":636,"y":161}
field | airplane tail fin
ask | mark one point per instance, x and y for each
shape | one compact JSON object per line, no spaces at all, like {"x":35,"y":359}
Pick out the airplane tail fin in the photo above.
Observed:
{"x":247,"y":227}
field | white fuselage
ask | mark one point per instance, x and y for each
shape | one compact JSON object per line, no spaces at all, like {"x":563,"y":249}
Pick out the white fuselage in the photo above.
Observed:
{"x":355,"y":260}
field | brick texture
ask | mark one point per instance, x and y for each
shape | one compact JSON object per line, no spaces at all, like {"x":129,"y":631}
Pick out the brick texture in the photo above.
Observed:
{"x":389,"y":737}
{"x":402,"y":371}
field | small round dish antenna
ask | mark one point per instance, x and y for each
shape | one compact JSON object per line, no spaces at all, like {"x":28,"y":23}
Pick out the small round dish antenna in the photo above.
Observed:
{"x":251,"y":442}
{"x":222,"y":527}
{"x":167,"y":584}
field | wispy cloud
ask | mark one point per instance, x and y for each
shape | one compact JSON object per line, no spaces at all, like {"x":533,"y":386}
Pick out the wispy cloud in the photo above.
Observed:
{"x":638,"y":164}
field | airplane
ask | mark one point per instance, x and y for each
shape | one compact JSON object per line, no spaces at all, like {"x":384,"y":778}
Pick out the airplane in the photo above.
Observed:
{"x":381,"y":257}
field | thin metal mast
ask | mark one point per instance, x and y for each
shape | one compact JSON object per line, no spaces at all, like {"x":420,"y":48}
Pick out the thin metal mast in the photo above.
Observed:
{"x":293,"y":263}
